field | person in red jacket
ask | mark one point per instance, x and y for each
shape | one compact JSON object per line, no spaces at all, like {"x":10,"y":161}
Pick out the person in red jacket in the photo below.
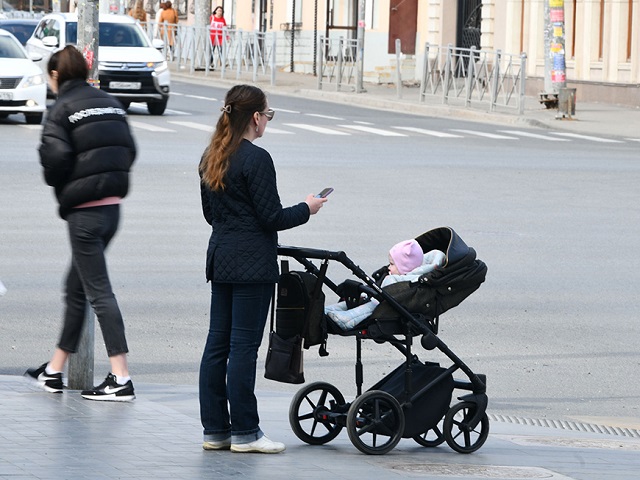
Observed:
{"x":216,"y":25}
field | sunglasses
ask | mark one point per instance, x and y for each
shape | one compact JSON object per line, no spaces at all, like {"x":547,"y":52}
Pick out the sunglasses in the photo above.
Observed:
{"x":269,"y":114}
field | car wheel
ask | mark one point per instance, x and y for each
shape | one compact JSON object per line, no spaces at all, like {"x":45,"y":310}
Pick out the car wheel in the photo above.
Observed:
{"x":125,"y":105}
{"x":157,"y":108}
{"x":3,"y":115}
{"x":33,"y":118}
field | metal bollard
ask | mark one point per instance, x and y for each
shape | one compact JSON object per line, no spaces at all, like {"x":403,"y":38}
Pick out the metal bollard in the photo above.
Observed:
{"x":398,"y":69}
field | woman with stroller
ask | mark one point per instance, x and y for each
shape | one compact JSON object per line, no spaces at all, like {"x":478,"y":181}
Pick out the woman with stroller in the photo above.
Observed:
{"x":240,"y":201}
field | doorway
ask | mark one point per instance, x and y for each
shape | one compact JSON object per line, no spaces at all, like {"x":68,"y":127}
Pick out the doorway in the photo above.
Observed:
{"x":403,"y":24}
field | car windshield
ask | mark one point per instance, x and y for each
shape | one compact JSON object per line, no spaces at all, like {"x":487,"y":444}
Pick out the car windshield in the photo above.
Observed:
{"x":10,"y":49}
{"x":22,"y":31}
{"x":112,"y":35}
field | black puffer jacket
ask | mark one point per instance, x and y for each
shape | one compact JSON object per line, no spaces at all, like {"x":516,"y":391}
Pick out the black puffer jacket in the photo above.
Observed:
{"x":87,"y":148}
{"x":245,"y":219}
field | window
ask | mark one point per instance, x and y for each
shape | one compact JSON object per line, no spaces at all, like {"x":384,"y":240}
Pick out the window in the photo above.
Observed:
{"x":298,"y":12}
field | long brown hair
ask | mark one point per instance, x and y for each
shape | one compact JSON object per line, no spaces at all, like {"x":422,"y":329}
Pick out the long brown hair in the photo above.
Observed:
{"x":240,"y":104}
{"x":138,"y":11}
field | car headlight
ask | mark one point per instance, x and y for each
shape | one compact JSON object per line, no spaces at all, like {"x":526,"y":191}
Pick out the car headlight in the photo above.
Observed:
{"x":32,"y":81}
{"x":158,"y":66}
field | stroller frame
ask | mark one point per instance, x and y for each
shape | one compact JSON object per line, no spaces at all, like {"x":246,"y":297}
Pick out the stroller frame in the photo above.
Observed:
{"x":375,"y":420}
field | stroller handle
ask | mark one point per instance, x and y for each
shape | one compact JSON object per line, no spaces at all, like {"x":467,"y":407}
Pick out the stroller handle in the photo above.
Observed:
{"x":302,"y":254}
{"x":294,"y":252}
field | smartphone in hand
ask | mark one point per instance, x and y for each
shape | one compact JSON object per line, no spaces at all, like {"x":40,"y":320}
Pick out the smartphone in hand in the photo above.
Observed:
{"x":324,"y":193}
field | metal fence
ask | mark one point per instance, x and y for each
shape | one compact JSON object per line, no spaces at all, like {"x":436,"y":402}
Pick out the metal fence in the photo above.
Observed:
{"x":337,"y":63}
{"x":241,"y":54}
{"x":474,"y":77}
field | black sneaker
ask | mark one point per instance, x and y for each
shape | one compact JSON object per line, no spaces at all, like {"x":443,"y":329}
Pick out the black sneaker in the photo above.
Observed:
{"x":49,"y":382}
{"x":111,"y":391}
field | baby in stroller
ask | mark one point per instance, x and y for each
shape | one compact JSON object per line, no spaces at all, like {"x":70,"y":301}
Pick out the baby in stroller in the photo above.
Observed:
{"x":407,"y":263}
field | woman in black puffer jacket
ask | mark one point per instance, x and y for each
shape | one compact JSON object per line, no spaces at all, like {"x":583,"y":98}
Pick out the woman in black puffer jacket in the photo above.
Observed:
{"x":240,"y":200}
{"x":87,"y":150}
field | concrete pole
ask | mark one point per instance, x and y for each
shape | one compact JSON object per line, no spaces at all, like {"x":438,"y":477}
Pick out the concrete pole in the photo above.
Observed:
{"x":360,"y":53}
{"x":201,"y":22}
{"x":81,"y":364}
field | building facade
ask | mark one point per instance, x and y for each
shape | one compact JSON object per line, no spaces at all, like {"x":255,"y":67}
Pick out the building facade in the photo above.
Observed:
{"x":602,"y":37}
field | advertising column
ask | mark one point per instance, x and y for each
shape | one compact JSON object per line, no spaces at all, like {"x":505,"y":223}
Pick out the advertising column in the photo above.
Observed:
{"x":555,"y":72}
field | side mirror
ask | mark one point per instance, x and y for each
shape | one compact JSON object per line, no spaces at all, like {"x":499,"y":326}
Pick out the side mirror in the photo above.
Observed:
{"x":51,"y":42}
{"x":35,"y":57}
{"x":157,"y":44}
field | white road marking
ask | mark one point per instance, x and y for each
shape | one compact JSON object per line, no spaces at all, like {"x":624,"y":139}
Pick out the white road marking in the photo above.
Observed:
{"x":197,"y":126}
{"x":484,"y":134}
{"x":363,"y":123}
{"x":328,"y":117}
{"x":143,"y":106}
{"x":534,"y":135}
{"x":377,"y":131}
{"x":284,"y":110}
{"x":149,"y":127}
{"x":587,"y":137}
{"x":278,"y":131}
{"x":633,"y":139}
{"x":198,"y":97}
{"x":433,"y":133}
{"x":31,"y":127}
{"x":313,"y":128}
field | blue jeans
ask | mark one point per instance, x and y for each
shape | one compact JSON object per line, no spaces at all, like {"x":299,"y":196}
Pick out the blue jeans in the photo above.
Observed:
{"x":228,"y":405}
{"x":90,"y":231}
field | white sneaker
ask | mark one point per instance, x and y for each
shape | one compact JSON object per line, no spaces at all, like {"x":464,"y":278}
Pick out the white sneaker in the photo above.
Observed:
{"x":262,"y":445}
{"x":218,"y":445}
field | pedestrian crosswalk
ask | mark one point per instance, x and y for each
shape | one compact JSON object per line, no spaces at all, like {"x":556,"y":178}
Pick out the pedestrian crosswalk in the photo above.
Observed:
{"x":343,"y":129}
{"x":290,"y":122}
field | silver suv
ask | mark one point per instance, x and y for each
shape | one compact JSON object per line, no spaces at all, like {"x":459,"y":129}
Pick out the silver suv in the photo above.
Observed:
{"x":131,"y":67}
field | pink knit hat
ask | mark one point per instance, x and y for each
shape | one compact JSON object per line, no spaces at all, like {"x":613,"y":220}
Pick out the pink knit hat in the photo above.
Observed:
{"x":406,"y":256}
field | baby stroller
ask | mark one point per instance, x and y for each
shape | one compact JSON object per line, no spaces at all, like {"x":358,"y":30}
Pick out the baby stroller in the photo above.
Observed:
{"x":414,"y":400}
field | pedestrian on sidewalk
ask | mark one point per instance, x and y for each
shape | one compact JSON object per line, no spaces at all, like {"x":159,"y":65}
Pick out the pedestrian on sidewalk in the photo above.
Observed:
{"x":240,"y":201}
{"x":86,"y":151}
{"x":217,"y":24}
{"x":168,"y":23}
{"x":138,"y":12}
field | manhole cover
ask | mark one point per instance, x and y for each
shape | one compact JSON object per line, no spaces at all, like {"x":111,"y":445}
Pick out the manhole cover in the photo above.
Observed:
{"x":577,"y":443}
{"x":479,"y":471}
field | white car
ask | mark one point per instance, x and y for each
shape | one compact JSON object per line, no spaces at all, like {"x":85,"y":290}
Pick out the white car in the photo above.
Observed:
{"x":131,"y":67}
{"x":23,"y":88}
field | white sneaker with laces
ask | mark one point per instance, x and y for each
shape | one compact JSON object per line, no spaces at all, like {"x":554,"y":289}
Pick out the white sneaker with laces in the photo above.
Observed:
{"x":262,"y":445}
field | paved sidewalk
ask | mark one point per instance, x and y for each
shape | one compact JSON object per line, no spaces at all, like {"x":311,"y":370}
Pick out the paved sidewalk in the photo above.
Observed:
{"x":590,"y":119}
{"x":49,"y":436}
{"x":62,"y":436}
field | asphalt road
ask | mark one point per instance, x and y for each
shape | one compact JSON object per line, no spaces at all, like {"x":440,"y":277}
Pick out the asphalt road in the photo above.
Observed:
{"x":554,"y":327}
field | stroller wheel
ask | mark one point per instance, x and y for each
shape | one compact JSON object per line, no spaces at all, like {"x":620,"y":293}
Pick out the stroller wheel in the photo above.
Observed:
{"x":457,"y":433}
{"x":432,"y":437}
{"x":315,"y":412}
{"x":375,"y":422}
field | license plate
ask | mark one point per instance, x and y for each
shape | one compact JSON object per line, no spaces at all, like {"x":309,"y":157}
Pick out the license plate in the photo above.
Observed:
{"x":125,"y":85}
{"x":6,"y":96}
